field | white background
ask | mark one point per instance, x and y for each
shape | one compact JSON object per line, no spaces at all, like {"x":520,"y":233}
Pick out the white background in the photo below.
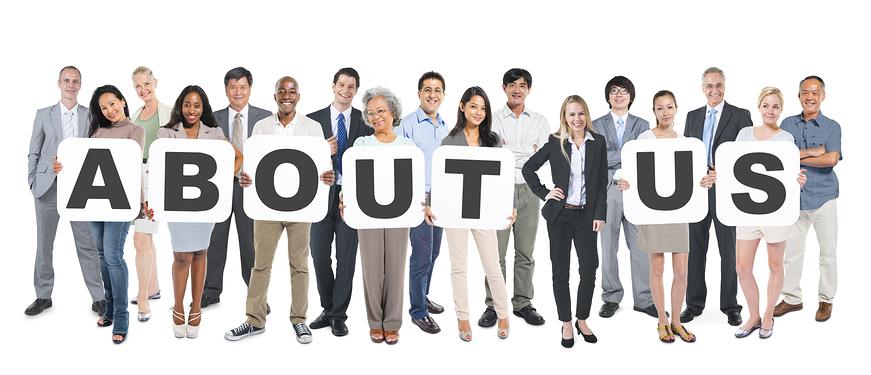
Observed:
{"x":569,"y":48}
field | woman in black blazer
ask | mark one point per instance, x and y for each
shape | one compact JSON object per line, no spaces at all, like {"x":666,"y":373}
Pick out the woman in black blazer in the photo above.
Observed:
{"x":574,"y":209}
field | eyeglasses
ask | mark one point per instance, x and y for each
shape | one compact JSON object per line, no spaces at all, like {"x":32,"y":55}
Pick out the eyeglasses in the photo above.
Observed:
{"x":430,"y":90}
{"x":618,"y":91}
{"x":379,"y":113}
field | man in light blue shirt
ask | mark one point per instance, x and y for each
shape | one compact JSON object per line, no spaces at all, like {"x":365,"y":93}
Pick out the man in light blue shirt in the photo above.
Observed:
{"x":426,"y":128}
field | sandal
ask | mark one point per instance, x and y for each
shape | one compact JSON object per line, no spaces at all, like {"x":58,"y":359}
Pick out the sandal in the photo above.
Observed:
{"x":684,"y":334}
{"x":376,"y":335}
{"x":116,"y":340}
{"x":502,"y":333}
{"x":193,"y":330}
{"x":665,"y":334}
{"x":179,"y":330}
{"x":391,"y":337}
{"x":103,"y":322}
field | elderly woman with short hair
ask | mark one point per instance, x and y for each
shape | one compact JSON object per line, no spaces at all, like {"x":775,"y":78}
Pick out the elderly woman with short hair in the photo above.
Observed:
{"x":383,"y":251}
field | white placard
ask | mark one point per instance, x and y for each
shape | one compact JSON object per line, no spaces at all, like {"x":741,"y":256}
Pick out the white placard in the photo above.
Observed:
{"x":312,"y":153}
{"x":219,"y":152}
{"x":496,"y":200}
{"x":126,"y":158}
{"x":664,"y":152}
{"x":384,"y":189}
{"x":730,"y":188}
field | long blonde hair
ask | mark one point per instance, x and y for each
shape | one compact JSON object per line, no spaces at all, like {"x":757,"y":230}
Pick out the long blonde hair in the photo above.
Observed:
{"x":564,"y":131}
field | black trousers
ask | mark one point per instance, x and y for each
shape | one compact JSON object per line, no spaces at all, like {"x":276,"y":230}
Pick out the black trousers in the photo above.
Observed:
{"x":697,"y":291}
{"x":577,"y":226}
{"x":334,"y":289}
{"x":216,"y":257}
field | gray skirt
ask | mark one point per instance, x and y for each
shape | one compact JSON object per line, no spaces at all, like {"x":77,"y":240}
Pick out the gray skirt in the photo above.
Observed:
{"x":189,"y":237}
{"x":664,"y":238}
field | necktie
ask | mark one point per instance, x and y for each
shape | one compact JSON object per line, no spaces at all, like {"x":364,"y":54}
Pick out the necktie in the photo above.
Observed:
{"x":621,"y":128}
{"x":238,"y":137}
{"x":708,"y":134}
{"x":69,"y":128}
{"x":342,"y":141}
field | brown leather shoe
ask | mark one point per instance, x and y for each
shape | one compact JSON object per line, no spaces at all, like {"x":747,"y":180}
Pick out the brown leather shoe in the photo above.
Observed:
{"x":782,"y":308}
{"x":824,"y":312}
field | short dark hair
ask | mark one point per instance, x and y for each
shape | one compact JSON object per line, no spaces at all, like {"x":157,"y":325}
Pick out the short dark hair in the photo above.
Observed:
{"x":207,"y":117}
{"x":620,"y":81}
{"x":514,"y":74}
{"x":430,"y":75}
{"x":98,"y":120}
{"x":238,"y":73}
{"x":348,"y":71}
{"x":68,"y":67}
{"x":822,"y":83}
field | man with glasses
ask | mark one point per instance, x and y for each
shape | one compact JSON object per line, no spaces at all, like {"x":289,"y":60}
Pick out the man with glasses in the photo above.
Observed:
{"x":619,"y":126}
{"x":427,"y":129}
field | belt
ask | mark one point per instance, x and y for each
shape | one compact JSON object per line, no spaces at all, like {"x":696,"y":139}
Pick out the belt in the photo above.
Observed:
{"x":573,"y":207}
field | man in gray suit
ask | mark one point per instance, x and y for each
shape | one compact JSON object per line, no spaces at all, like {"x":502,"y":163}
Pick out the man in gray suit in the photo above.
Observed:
{"x":52,"y":125}
{"x":237,"y":121}
{"x":619,"y":126}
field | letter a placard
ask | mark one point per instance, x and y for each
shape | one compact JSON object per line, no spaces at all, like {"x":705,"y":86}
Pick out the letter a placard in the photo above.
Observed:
{"x":664,"y":176}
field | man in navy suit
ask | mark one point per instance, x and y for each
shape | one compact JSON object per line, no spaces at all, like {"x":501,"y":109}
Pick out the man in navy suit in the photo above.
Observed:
{"x":715,"y":123}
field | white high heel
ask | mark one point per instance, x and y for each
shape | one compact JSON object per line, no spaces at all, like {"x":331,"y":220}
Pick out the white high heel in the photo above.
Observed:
{"x":179,"y":330}
{"x":193,"y":331}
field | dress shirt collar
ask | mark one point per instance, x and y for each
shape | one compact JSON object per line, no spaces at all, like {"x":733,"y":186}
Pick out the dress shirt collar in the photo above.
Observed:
{"x":507,"y":112}
{"x":422,"y":116}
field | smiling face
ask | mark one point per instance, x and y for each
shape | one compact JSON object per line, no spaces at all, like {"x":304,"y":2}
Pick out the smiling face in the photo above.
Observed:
{"x":575,"y":117}
{"x":811,"y":94}
{"x":286,"y":96}
{"x":474,"y":111}
{"x":664,"y":108}
{"x":516,"y":92}
{"x":144,"y":84}
{"x":431,"y":95}
{"x":344,"y":90}
{"x":714,"y":87}
{"x":379,"y":114}
{"x":619,"y":98}
{"x":770,"y":109}
{"x":238,"y":92}
{"x":112,"y":107}
{"x":69,"y":84}
{"x":192,"y":108}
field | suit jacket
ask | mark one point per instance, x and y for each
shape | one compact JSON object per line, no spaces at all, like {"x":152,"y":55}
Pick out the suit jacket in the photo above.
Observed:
{"x":732,"y":120}
{"x":595,"y":175}
{"x":254,"y":114}
{"x":605,"y":126}
{"x":47,"y":134}
{"x":356,"y":129}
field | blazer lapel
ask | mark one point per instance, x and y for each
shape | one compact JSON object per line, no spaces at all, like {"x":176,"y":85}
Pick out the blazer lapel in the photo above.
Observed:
{"x":83,"y":122}
{"x":323,"y":118}
{"x":55,"y":118}
{"x":221,"y":119}
{"x":724,"y":120}
{"x":611,"y":130}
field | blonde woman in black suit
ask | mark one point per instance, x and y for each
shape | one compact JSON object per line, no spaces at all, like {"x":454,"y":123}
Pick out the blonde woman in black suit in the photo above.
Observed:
{"x":575,"y":208}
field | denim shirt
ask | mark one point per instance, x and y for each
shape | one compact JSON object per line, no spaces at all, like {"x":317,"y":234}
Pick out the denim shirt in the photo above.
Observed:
{"x":822,"y":183}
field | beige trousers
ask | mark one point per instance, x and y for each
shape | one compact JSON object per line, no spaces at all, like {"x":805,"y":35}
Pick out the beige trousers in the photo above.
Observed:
{"x":458,"y":244}
{"x":825,"y":223}
{"x":266,"y":236}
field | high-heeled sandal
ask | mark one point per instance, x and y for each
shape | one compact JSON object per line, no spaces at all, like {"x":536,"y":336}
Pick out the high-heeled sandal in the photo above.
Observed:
{"x":103,"y":322}
{"x":466,"y":335}
{"x":683,"y":333}
{"x":120,"y":340}
{"x":376,"y":335}
{"x":143,"y":316}
{"x":194,"y":330}
{"x":391,"y":337}
{"x":591,"y":338}
{"x":502,"y":333}
{"x":665,"y":334}
{"x":179,"y":330}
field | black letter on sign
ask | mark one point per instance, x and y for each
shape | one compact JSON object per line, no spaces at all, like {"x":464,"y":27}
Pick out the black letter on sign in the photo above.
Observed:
{"x":112,"y":188}
{"x":472,"y":171}
{"x":308,"y":180}
{"x":401,"y":189}
{"x":176,"y":181}
{"x":770,"y":185}
{"x":683,"y":181}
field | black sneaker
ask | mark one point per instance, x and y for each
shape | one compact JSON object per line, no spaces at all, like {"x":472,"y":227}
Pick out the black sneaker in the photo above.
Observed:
{"x":303,"y":335}
{"x":242,"y":332}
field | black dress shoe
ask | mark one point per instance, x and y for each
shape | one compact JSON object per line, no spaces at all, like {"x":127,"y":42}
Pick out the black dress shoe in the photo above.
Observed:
{"x":734,"y":318}
{"x":38,"y":306}
{"x":488,"y":318}
{"x":608,"y":309}
{"x":99,"y":307}
{"x":529,"y":314}
{"x":208,"y":301}
{"x":434,"y":308}
{"x":338,"y":327}
{"x":649,"y":310}
{"x":687,"y":315}
{"x":320,"y":322}
{"x":427,"y":325}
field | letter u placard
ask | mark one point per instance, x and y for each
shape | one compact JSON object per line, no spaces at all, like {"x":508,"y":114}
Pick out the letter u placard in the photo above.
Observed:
{"x":191,"y":180}
{"x":757,"y":183}
{"x":100,"y":181}
{"x":383,"y":187}
{"x":664,"y":176}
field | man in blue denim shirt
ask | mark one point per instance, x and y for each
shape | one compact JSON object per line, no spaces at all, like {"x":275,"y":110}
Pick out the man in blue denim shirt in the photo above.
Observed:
{"x":819,"y":140}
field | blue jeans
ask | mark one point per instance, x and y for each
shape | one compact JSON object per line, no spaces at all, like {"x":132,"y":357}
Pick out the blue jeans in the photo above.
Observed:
{"x":426,"y":240}
{"x":110,"y":237}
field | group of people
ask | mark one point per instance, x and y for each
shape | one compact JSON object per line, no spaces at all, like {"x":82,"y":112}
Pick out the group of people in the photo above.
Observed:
{"x":586,"y":198}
